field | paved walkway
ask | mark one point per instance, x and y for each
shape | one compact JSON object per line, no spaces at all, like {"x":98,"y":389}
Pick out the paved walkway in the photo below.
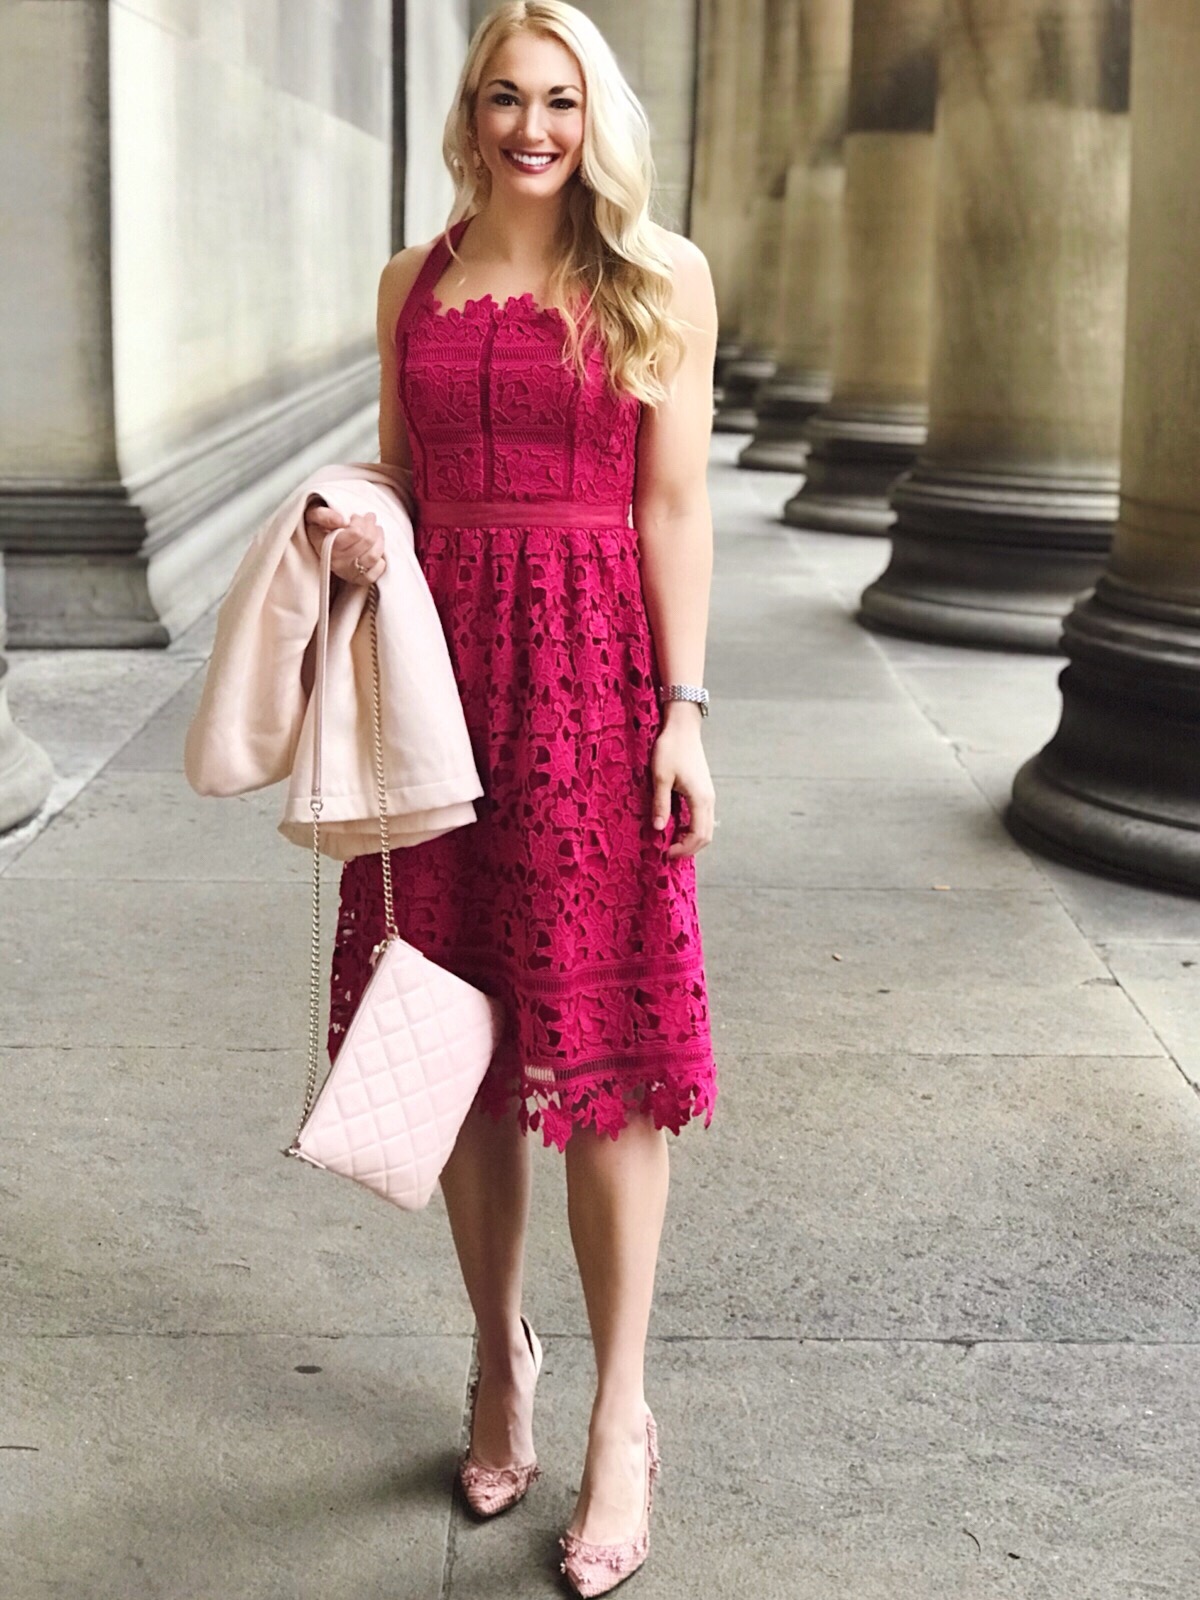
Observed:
{"x":927,"y":1316}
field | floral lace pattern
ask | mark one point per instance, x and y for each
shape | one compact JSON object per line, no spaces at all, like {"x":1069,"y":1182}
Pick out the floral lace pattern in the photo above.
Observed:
{"x":560,"y":898}
{"x":493,"y":414}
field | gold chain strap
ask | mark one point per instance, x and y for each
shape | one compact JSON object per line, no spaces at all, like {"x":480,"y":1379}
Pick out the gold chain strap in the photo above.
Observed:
{"x":385,"y":849}
{"x":391,"y":932}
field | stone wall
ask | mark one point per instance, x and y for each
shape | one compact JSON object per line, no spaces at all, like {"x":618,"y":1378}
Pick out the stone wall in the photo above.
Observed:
{"x":436,"y":39}
{"x":251,"y":156}
{"x":199,"y":193}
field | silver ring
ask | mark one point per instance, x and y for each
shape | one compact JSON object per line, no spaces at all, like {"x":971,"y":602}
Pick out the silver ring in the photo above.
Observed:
{"x":358,"y":567}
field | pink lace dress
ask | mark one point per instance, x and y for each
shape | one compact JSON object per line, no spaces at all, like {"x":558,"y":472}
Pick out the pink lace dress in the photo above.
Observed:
{"x":560,"y":898}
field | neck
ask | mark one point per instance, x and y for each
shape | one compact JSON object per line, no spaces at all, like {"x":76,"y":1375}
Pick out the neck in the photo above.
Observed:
{"x":517,"y":234}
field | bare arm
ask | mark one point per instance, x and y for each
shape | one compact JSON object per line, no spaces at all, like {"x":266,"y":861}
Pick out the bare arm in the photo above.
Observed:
{"x":364,"y":542}
{"x":395,"y":282}
{"x":674,"y":521}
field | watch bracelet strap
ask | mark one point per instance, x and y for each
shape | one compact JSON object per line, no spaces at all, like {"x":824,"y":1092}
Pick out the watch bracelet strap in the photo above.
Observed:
{"x":696,"y":693}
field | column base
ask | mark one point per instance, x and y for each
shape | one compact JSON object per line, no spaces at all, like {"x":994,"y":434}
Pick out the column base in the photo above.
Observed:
{"x":990,"y":559}
{"x":26,"y":773}
{"x":1117,"y":789}
{"x":740,"y":382}
{"x":785,"y":403}
{"x":728,"y":351}
{"x":856,"y":455}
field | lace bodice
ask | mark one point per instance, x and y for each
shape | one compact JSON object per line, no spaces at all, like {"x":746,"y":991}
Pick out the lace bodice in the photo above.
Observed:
{"x":494,"y":414}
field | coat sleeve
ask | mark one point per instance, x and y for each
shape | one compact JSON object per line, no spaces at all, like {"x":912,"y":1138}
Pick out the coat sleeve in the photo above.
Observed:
{"x":244,"y":732}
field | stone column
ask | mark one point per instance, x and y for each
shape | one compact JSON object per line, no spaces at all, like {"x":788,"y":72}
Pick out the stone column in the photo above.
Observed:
{"x":656,"y":47}
{"x":712,"y":166}
{"x":775,"y":84}
{"x":1008,"y":513}
{"x":873,"y":426}
{"x":1117,"y":790}
{"x":809,"y":267}
{"x":732,"y":132}
{"x":702,"y":200}
{"x":399,"y":123}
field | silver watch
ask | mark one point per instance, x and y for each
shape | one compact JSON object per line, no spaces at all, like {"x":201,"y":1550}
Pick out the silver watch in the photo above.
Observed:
{"x":684,"y":691}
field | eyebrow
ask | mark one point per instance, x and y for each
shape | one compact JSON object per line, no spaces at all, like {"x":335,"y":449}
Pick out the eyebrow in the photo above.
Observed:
{"x":507,"y":83}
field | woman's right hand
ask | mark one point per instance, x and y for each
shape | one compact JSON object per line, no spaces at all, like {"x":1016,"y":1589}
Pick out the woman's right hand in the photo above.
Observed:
{"x":362,"y":542}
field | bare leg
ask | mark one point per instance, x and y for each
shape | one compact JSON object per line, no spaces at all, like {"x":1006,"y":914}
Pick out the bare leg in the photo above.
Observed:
{"x":487,"y":1184}
{"x":616,"y":1200}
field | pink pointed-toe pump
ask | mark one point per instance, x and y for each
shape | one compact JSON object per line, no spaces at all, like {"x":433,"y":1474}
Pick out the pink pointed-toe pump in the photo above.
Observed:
{"x":492,"y":1489}
{"x":596,"y":1568}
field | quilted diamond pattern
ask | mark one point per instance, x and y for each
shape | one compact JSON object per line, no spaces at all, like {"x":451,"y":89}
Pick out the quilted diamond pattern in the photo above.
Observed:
{"x":409,"y":1066}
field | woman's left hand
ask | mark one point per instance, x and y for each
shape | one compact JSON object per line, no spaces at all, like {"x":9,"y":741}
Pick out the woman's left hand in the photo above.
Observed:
{"x":678,"y":762}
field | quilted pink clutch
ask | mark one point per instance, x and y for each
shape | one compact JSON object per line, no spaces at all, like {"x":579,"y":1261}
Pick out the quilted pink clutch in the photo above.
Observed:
{"x":420,"y":1040}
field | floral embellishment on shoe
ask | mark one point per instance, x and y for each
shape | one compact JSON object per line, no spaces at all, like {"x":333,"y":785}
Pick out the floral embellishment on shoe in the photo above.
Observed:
{"x":492,"y":1489}
{"x":489,"y":1490}
{"x":594,"y":1569}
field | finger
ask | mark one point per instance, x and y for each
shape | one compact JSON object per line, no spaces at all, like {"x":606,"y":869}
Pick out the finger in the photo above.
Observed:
{"x":353,"y":547}
{"x":369,"y":561}
{"x":325,"y":517}
{"x":368,"y":570}
{"x":343,"y":564}
{"x":320,"y":537}
{"x":686,"y":843}
{"x":364,"y":524}
{"x":363,"y":541}
{"x":702,"y":822}
{"x":662,"y":801}
{"x":699,"y":829}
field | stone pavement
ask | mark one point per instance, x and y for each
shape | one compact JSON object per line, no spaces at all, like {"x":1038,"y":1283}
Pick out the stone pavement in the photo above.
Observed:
{"x":929,"y":1303}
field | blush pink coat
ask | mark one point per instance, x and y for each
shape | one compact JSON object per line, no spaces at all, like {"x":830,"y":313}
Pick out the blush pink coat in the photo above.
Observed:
{"x":254,"y":723}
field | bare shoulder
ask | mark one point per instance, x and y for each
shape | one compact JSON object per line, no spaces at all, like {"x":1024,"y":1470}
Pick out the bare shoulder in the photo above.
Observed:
{"x":693,"y":298}
{"x":684,"y":253}
{"x":396,"y":279}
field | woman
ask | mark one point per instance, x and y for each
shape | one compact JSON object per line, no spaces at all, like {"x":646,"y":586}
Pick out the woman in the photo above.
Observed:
{"x":545,"y":362}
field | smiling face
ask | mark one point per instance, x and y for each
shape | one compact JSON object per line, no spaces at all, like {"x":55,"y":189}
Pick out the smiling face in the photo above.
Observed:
{"x":529,"y":115}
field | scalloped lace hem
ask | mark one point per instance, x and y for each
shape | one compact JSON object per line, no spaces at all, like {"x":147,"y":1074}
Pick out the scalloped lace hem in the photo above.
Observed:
{"x":602,"y":1101}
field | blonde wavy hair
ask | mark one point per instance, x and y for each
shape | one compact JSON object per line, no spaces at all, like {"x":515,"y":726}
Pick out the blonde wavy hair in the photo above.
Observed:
{"x":609,"y":274}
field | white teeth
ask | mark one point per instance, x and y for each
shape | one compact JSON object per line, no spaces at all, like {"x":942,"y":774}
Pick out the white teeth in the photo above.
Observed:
{"x":530,"y":161}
